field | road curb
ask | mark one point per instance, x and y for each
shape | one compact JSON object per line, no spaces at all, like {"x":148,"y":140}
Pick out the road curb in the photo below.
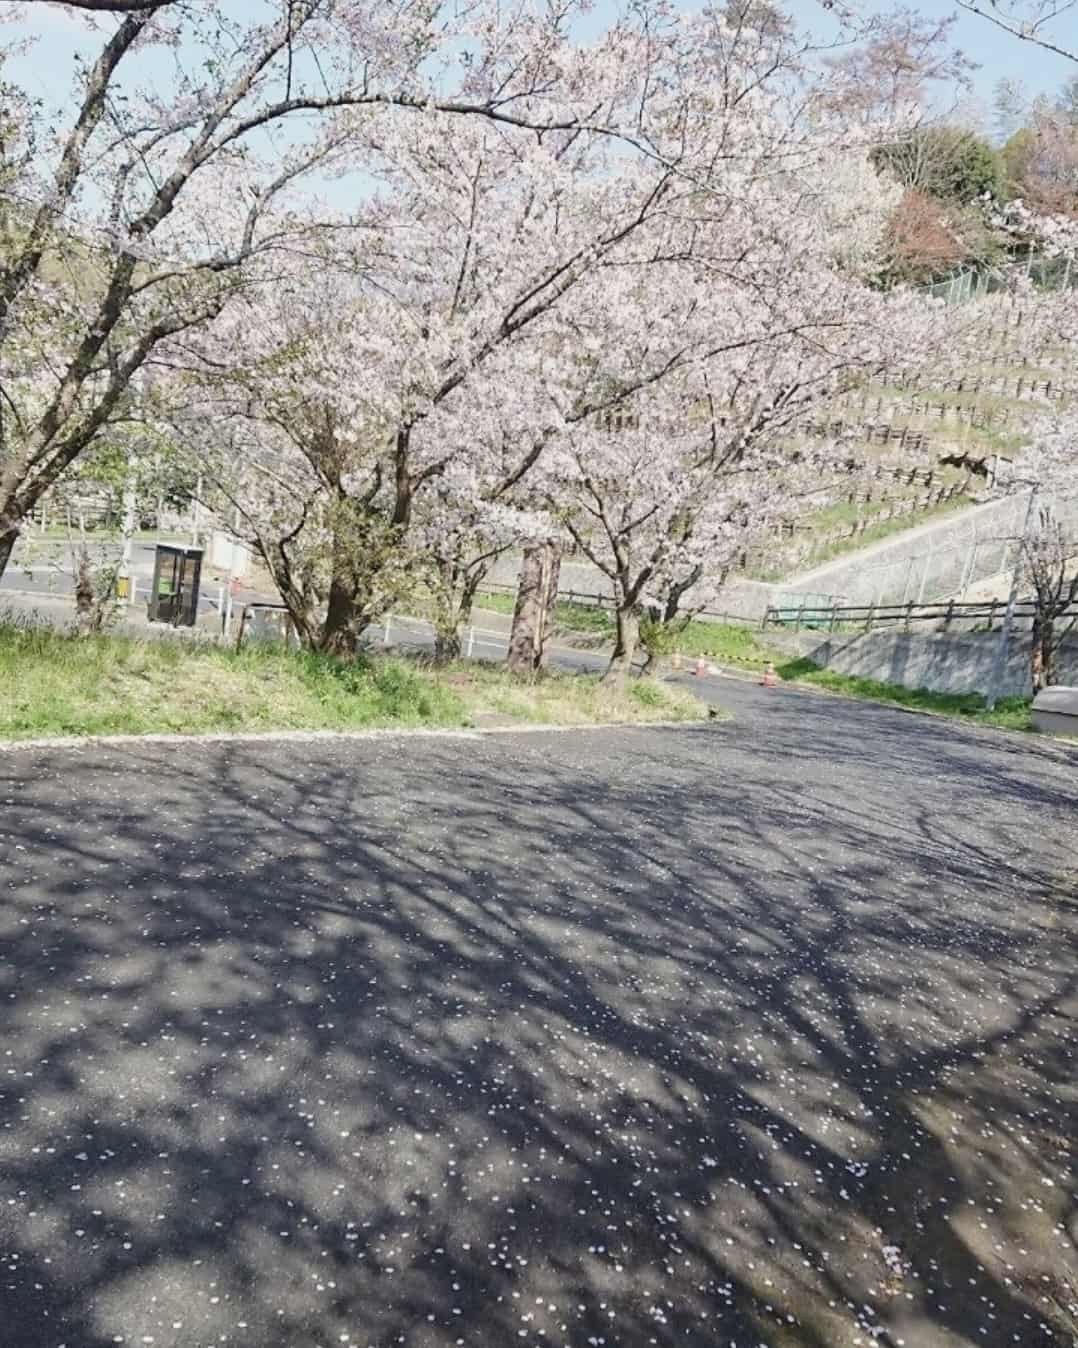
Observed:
{"x":79,"y":742}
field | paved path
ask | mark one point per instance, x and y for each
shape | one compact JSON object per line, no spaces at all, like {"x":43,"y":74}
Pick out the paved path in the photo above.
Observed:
{"x":757,"y":1033}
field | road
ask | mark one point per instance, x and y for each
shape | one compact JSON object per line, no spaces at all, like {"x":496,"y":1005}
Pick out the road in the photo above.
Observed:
{"x":761,"y":1032}
{"x":487,"y":639}
{"x":48,"y":568}
{"x":41,"y":580}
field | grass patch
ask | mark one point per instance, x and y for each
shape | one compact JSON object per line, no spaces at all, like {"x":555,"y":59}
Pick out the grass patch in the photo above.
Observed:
{"x":589,"y":618}
{"x":1010,"y":713}
{"x":52,"y":684}
{"x":554,"y":698}
{"x":496,"y":603}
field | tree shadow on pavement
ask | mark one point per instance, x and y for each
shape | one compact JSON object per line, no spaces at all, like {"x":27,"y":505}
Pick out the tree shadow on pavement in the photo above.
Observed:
{"x":544,"y":1040}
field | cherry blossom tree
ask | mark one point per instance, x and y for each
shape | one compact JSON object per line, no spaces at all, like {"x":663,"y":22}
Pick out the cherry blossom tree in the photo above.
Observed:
{"x":433,"y":351}
{"x":762,"y":323}
{"x":406,"y":372}
{"x":1043,"y":477}
{"x":1049,"y":565}
{"x":1046,"y":568}
{"x":1045,"y":471}
{"x":1042,"y":163}
{"x":664,"y":500}
{"x":378,"y":395}
{"x":139,"y":216}
{"x":893,"y":74}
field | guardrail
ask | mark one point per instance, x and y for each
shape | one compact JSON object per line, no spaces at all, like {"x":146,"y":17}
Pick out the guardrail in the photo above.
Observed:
{"x":283,"y":621}
{"x":564,"y":596}
{"x":870,"y":616}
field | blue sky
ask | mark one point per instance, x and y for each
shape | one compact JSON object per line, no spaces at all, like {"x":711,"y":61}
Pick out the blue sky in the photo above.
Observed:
{"x":996,"y":53}
{"x":49,"y":68}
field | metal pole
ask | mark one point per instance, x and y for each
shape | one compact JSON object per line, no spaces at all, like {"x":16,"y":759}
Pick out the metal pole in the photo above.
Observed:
{"x":924,"y":578}
{"x":196,"y":512}
{"x":128,"y":530}
{"x":969,"y":564}
{"x":909,"y":580}
{"x":1008,"y":617}
{"x":233,"y":543}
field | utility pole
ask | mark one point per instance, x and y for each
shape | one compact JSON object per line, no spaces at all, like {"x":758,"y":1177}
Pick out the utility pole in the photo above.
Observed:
{"x":1008,"y":618}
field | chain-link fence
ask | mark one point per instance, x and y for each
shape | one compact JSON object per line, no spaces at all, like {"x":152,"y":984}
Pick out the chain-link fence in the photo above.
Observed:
{"x":973,"y":283}
{"x":975,"y":550}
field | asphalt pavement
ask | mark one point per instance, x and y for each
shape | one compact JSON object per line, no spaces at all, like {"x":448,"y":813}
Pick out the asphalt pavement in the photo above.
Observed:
{"x":756,"y":1033}
{"x":48,"y":567}
{"x":40,"y":582}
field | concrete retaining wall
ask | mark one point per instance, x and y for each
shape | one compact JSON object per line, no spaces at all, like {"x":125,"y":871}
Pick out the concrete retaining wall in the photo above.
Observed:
{"x":944,"y":662}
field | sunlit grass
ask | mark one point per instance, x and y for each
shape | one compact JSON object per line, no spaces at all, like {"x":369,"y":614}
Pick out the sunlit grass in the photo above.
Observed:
{"x":1011,"y":713}
{"x":53,"y":684}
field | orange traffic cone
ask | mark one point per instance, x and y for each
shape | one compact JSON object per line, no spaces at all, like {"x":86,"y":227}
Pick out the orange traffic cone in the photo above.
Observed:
{"x":770,"y":679}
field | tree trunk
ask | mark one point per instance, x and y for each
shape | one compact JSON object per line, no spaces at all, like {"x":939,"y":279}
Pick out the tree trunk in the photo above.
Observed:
{"x":7,"y":544}
{"x":1036,"y":655}
{"x":550,"y":599}
{"x":621,"y":662}
{"x":530,"y":615}
{"x":84,"y":594}
{"x":345,"y":619}
{"x":446,"y":645}
{"x":453,"y":610}
{"x":652,"y":652}
{"x":679,"y":590}
{"x":1049,"y":651}
{"x":339,"y":634}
